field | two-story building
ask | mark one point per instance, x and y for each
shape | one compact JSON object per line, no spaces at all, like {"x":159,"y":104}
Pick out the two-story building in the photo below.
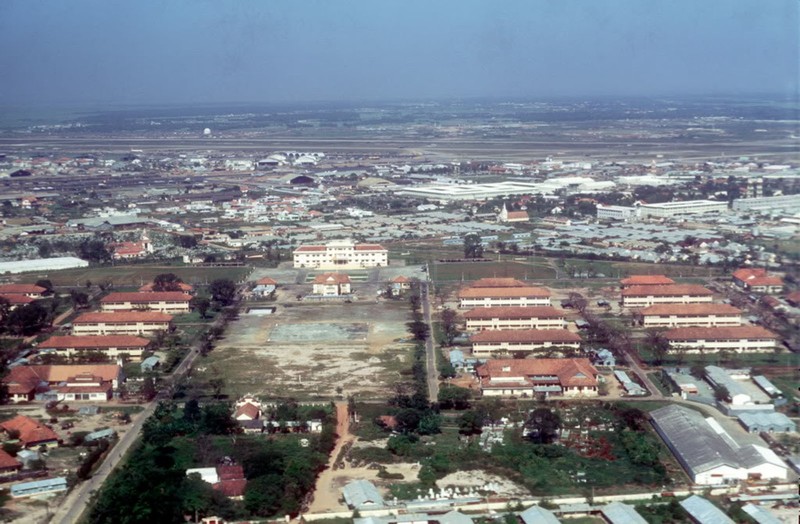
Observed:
{"x":491,"y":343}
{"x":112,"y":346}
{"x":341,"y":254}
{"x":473,"y":297}
{"x":331,"y":284}
{"x":173,"y":302}
{"x":568,"y":377}
{"x":537,"y":317}
{"x":738,"y":339}
{"x":643,"y":296}
{"x":146,"y":323}
{"x":687,"y":315}
{"x":757,"y":280}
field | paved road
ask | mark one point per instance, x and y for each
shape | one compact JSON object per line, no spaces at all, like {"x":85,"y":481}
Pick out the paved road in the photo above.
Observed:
{"x":644,"y":378}
{"x":430,"y":347}
{"x":78,"y":500}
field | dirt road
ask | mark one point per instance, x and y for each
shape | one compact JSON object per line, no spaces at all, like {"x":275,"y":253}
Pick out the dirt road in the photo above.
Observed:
{"x":326,"y":493}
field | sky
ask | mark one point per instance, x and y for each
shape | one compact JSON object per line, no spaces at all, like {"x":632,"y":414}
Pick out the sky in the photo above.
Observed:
{"x":111,"y":52}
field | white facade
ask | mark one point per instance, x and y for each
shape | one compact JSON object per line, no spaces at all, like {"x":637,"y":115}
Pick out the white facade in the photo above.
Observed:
{"x":744,"y":345}
{"x":341,"y":254}
{"x":634,"y":301}
{"x":480,"y":324}
{"x":688,"y":319}
{"x":112,"y":327}
{"x":624,"y":213}
{"x":678,"y":209}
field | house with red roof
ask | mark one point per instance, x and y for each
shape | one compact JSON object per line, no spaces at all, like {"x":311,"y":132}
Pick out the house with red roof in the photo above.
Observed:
{"x":29,"y":432}
{"x":331,"y":284}
{"x":568,"y":377}
{"x":648,"y":295}
{"x":173,"y":302}
{"x":757,"y":280}
{"x":8,"y":465}
{"x":87,"y":382}
{"x":27,"y":290}
{"x":738,"y":339}
{"x":341,"y":254}
{"x":112,"y":346}
{"x":400,"y":285}
{"x":146,"y":323}
{"x":506,"y":342}
{"x":646,"y":280}
{"x":265,"y":287}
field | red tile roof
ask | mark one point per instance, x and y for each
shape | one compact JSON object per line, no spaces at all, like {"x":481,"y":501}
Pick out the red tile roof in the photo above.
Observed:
{"x":498,"y":282}
{"x":22,"y":380}
{"x":246,"y":409}
{"x":9,"y":462}
{"x":511,"y":312}
{"x":306,"y":249}
{"x":525,"y":335}
{"x":646,"y":280}
{"x":756,"y":277}
{"x":370,"y":247}
{"x":17,"y":300}
{"x":20,"y":289}
{"x":146,"y":298}
{"x":720,"y":333}
{"x":332,"y":278}
{"x":231,"y":488}
{"x":512,"y":215}
{"x":571,"y":372}
{"x":94,"y":342}
{"x":667,"y":291}
{"x":503,"y":292}
{"x":793,"y":298}
{"x":31,"y":432}
{"x":148,"y":288}
{"x":122,"y":316}
{"x":266,"y":281}
{"x":401,"y":280}
{"x":690,"y":309}
{"x":232,"y":472}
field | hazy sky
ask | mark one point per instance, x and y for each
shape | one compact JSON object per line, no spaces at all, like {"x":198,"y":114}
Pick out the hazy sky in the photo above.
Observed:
{"x":149,"y":51}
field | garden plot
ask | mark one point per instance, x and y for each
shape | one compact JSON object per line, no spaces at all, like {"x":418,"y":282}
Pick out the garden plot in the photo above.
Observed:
{"x":313,"y":350}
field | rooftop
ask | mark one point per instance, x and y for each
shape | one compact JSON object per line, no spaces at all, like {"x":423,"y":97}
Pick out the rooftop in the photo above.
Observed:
{"x":525,"y":335}
{"x":503,"y":292}
{"x":720,"y":333}
{"x":511,"y":312}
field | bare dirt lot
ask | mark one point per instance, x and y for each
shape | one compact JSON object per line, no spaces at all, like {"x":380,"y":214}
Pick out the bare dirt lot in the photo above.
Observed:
{"x":313,"y":350}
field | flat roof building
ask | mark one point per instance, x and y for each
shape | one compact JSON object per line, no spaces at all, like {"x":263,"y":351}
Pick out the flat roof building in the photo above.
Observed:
{"x":341,"y":254}
{"x":680,"y":209}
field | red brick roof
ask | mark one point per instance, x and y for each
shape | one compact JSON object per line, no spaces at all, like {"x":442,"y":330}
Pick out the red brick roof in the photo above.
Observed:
{"x":369,"y":247}
{"x":306,"y":249}
{"x":525,"y":335}
{"x":248,"y":409}
{"x":22,"y":380}
{"x":667,"y":291}
{"x":720,"y":333}
{"x":690,"y":309}
{"x":146,"y":298}
{"x":646,"y":280}
{"x":9,"y":462}
{"x":401,"y":280}
{"x":498,"y":282}
{"x":31,"y":432}
{"x":756,"y":277}
{"x":17,"y":300}
{"x":122,"y":316}
{"x":148,"y":288}
{"x":332,"y":278}
{"x":571,"y":372}
{"x":266,"y":281}
{"x":20,"y":289}
{"x":94,"y":342}
{"x":517,"y":215}
{"x":503,"y":292}
{"x":511,"y":312}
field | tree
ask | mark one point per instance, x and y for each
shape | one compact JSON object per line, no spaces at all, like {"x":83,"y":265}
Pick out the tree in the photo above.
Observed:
{"x":94,"y":251}
{"x":167,"y":282}
{"x":80,"y":299}
{"x":216,"y":384}
{"x":262,"y":496}
{"x":27,"y":320}
{"x":472,"y":246}
{"x":223,"y":291}
{"x":721,"y":393}
{"x":543,"y":425}
{"x":47,"y":285}
{"x":658,"y":344}
{"x":419,"y":329}
{"x":201,"y":304}
{"x":185,"y":241}
{"x":454,"y":397}
{"x":471,"y":422}
{"x":148,"y":388}
{"x":449,"y":327}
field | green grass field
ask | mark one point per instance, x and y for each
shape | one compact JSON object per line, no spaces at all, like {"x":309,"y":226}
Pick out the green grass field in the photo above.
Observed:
{"x":475,"y":270}
{"x":137,"y":275}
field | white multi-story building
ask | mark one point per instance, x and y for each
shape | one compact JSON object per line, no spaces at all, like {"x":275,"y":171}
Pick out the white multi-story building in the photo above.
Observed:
{"x":643,"y":296}
{"x":624,"y":213}
{"x":739,"y":339}
{"x":122,"y":323}
{"x":542,"y":317}
{"x":678,"y":209}
{"x":163,"y":301}
{"x":492,"y":343}
{"x":687,"y":315}
{"x":503,"y":296}
{"x":112,"y":346}
{"x":341,"y":254}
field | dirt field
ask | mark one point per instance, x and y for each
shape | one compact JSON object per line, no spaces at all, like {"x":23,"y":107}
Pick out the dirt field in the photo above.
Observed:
{"x":310,"y":350}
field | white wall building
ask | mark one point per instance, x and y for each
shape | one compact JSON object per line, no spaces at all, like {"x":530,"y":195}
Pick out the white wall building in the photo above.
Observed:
{"x":687,"y":315}
{"x":624,"y":213}
{"x":679,"y":209}
{"x":502,"y":297}
{"x":542,"y":317}
{"x":644,"y":296}
{"x":341,"y":254}
{"x":738,"y":339}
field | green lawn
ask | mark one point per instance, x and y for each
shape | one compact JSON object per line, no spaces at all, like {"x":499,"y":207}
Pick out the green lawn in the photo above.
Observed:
{"x":137,"y":275}
{"x":475,"y":270}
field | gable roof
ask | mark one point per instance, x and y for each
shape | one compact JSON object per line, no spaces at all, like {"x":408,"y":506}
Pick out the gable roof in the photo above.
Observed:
{"x":16,"y":300}
{"x":756,"y":277}
{"x":503,"y":292}
{"x":719,"y":333}
{"x":690,"y":309}
{"x":20,"y":289}
{"x":7,"y":461}
{"x":146,"y":298}
{"x":498,"y":282}
{"x":646,"y":280}
{"x":266,"y":281}
{"x":525,"y":335}
{"x":182,"y":286}
{"x":30,"y":431}
{"x":94,"y":342}
{"x":121,"y":316}
{"x":332,"y":278}
{"x":513,"y":312}
{"x":667,"y":291}
{"x":570,"y":371}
